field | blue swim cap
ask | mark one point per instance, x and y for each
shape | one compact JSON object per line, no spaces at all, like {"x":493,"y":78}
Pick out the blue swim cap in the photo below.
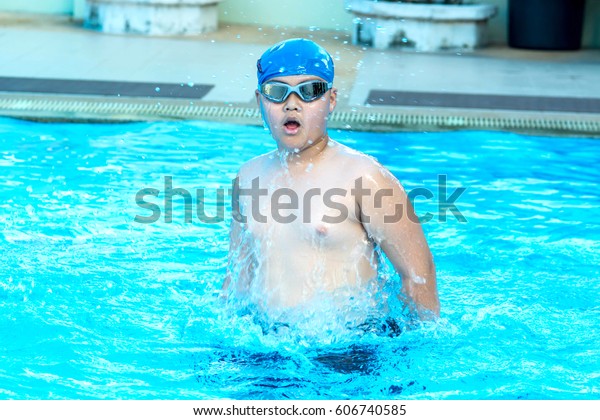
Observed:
{"x":294,"y":57}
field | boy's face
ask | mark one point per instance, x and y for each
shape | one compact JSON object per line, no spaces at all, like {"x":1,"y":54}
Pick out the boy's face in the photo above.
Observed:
{"x":296,"y":125}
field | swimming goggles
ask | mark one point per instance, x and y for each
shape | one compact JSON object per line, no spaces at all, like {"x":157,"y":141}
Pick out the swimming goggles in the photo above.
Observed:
{"x":308,"y":91}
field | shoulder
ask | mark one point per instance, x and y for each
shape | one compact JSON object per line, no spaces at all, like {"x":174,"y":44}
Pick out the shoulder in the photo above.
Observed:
{"x":349,"y":156}
{"x":255,"y":166}
{"x":366,"y":167}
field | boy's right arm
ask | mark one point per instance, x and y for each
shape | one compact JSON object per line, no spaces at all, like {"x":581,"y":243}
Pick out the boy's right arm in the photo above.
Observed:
{"x":233,"y":260}
{"x":241,"y":258}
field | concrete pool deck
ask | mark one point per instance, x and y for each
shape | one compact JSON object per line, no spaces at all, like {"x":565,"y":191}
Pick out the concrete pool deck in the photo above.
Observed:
{"x":54,"y":69}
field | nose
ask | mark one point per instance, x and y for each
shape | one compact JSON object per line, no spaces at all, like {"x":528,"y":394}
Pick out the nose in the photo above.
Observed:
{"x":292,"y":103}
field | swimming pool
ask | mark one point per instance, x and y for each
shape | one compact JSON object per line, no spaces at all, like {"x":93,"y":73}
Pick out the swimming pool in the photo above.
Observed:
{"x":95,"y":305}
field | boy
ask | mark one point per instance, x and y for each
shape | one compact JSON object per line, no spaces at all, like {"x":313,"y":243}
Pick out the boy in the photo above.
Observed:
{"x":310,"y":217}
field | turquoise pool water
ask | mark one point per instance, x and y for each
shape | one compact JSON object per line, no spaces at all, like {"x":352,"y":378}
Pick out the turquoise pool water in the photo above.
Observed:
{"x":95,"y":305}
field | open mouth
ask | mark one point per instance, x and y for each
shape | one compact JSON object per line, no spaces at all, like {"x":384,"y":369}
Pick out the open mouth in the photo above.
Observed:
{"x":291,"y":126}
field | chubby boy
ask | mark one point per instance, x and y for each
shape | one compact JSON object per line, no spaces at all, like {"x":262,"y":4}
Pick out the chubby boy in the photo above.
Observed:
{"x":310,"y":218}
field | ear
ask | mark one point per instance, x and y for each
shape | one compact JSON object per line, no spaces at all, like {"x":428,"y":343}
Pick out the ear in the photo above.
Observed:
{"x":332,"y":99}
{"x":261,"y":107}
{"x":257,"y":95}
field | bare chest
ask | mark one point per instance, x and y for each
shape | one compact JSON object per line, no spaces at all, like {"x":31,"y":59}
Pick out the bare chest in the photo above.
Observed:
{"x":325,"y":214}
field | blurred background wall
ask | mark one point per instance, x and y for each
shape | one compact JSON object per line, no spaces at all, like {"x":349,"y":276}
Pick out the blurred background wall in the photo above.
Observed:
{"x":324,"y":14}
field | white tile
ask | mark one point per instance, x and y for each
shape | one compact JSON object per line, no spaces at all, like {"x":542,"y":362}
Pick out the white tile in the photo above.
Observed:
{"x":470,"y":73}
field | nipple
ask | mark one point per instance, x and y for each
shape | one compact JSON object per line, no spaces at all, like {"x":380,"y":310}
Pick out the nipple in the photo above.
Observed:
{"x":321,"y":230}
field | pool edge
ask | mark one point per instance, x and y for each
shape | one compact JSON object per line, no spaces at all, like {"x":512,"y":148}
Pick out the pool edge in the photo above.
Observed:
{"x":53,"y":108}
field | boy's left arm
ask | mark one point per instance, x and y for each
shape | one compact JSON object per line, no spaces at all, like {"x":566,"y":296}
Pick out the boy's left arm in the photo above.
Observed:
{"x":389,"y":218}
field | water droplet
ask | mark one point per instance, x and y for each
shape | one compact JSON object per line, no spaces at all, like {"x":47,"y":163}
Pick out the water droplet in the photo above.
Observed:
{"x":419,"y":280}
{"x":31,"y":211}
{"x":157,"y":89}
